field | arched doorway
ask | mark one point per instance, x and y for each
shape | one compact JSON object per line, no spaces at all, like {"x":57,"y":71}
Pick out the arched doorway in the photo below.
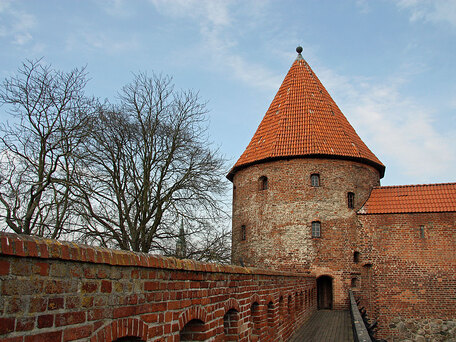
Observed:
{"x":324,"y":292}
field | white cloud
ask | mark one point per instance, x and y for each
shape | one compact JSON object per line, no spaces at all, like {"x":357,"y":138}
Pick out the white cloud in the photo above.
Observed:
{"x":214,"y":12}
{"x":97,"y":40}
{"x":117,"y":8}
{"x":15,"y":24}
{"x":102,"y":41}
{"x":363,"y":6}
{"x":252,"y":74}
{"x":396,"y":126}
{"x":217,"y":24}
{"x":431,"y":10}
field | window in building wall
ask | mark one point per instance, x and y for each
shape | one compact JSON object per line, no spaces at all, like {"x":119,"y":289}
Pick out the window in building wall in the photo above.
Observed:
{"x":243,"y":234}
{"x":315,"y":179}
{"x":316,"y":229}
{"x":356,"y":256}
{"x":263,"y":183}
{"x":354,"y":282}
{"x":422,"y":232}
{"x":351,"y":200}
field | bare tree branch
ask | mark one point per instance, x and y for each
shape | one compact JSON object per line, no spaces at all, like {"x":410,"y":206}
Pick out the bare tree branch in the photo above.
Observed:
{"x":148,"y":162}
{"x":117,"y":175}
{"x":50,"y":119}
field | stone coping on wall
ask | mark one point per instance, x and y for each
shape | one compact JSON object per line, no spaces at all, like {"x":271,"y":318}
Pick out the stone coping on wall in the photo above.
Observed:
{"x":37,"y":247}
{"x":360,"y":332}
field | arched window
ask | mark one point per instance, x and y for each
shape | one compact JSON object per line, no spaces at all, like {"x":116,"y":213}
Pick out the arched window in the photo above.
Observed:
{"x":354,"y":282}
{"x":316,"y":229}
{"x":356,"y":256}
{"x":315,"y":179}
{"x":351,"y":200}
{"x":243,"y":233}
{"x":263,"y":183}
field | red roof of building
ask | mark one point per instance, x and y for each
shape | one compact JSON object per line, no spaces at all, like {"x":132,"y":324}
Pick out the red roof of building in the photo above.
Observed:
{"x":411,"y":199}
{"x":304,"y":121}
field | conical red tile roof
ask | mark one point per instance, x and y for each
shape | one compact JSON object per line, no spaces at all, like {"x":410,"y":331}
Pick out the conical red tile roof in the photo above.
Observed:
{"x":304,"y":121}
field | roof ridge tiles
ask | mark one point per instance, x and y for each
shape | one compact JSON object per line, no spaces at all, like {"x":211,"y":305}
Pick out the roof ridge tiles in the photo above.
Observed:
{"x":412,"y":185}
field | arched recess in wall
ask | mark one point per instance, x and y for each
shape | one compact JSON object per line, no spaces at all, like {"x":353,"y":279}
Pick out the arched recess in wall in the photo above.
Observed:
{"x":231,"y":325}
{"x":296,"y":302}
{"x":122,"y":330}
{"x":231,"y":320}
{"x":263,"y":183}
{"x":325,"y":292}
{"x":194,"y":330}
{"x":356,"y":257}
{"x":255,"y":319}
{"x":354,"y":282}
{"x":281,"y":309}
{"x":192,"y":326}
{"x":271,"y":319}
{"x":290,"y":305}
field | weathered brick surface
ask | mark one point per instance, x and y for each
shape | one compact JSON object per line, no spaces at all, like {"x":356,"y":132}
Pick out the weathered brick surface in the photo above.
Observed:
{"x":278,"y":220}
{"x":409,"y":281}
{"x":403,"y":279}
{"x":57,"y":291}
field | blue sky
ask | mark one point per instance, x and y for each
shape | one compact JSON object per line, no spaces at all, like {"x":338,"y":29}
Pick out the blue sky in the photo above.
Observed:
{"x":389,"y":65}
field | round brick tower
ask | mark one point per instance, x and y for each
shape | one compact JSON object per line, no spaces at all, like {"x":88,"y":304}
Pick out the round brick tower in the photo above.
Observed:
{"x":298,"y":185}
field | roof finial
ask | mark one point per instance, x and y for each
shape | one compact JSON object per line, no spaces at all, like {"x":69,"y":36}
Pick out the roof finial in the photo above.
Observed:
{"x":299,"y":50}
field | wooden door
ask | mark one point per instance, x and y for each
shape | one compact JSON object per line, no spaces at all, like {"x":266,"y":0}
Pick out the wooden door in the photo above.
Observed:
{"x":324,"y":292}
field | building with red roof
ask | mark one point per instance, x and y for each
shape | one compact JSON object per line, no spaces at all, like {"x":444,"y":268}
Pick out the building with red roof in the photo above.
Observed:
{"x":307,"y":197}
{"x":303,"y":121}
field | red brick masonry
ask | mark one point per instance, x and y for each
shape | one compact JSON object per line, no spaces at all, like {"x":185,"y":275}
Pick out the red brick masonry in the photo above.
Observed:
{"x":409,"y":275}
{"x":62,"y":291}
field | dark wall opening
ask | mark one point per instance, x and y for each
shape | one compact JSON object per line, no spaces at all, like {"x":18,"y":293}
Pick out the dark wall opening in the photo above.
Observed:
{"x":325,"y":293}
{"x":193,"y":331}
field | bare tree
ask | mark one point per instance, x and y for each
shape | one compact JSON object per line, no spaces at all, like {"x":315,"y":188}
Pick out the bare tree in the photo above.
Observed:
{"x":206,"y":243}
{"x":50,"y":120}
{"x":148,"y":164}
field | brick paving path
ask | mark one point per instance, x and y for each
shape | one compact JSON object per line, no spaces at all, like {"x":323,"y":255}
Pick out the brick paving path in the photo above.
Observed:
{"x":325,"y":326}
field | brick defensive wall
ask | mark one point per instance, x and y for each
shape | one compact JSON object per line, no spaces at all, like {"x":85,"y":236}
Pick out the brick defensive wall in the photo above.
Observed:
{"x":62,"y":291}
{"x":408,"y":281}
